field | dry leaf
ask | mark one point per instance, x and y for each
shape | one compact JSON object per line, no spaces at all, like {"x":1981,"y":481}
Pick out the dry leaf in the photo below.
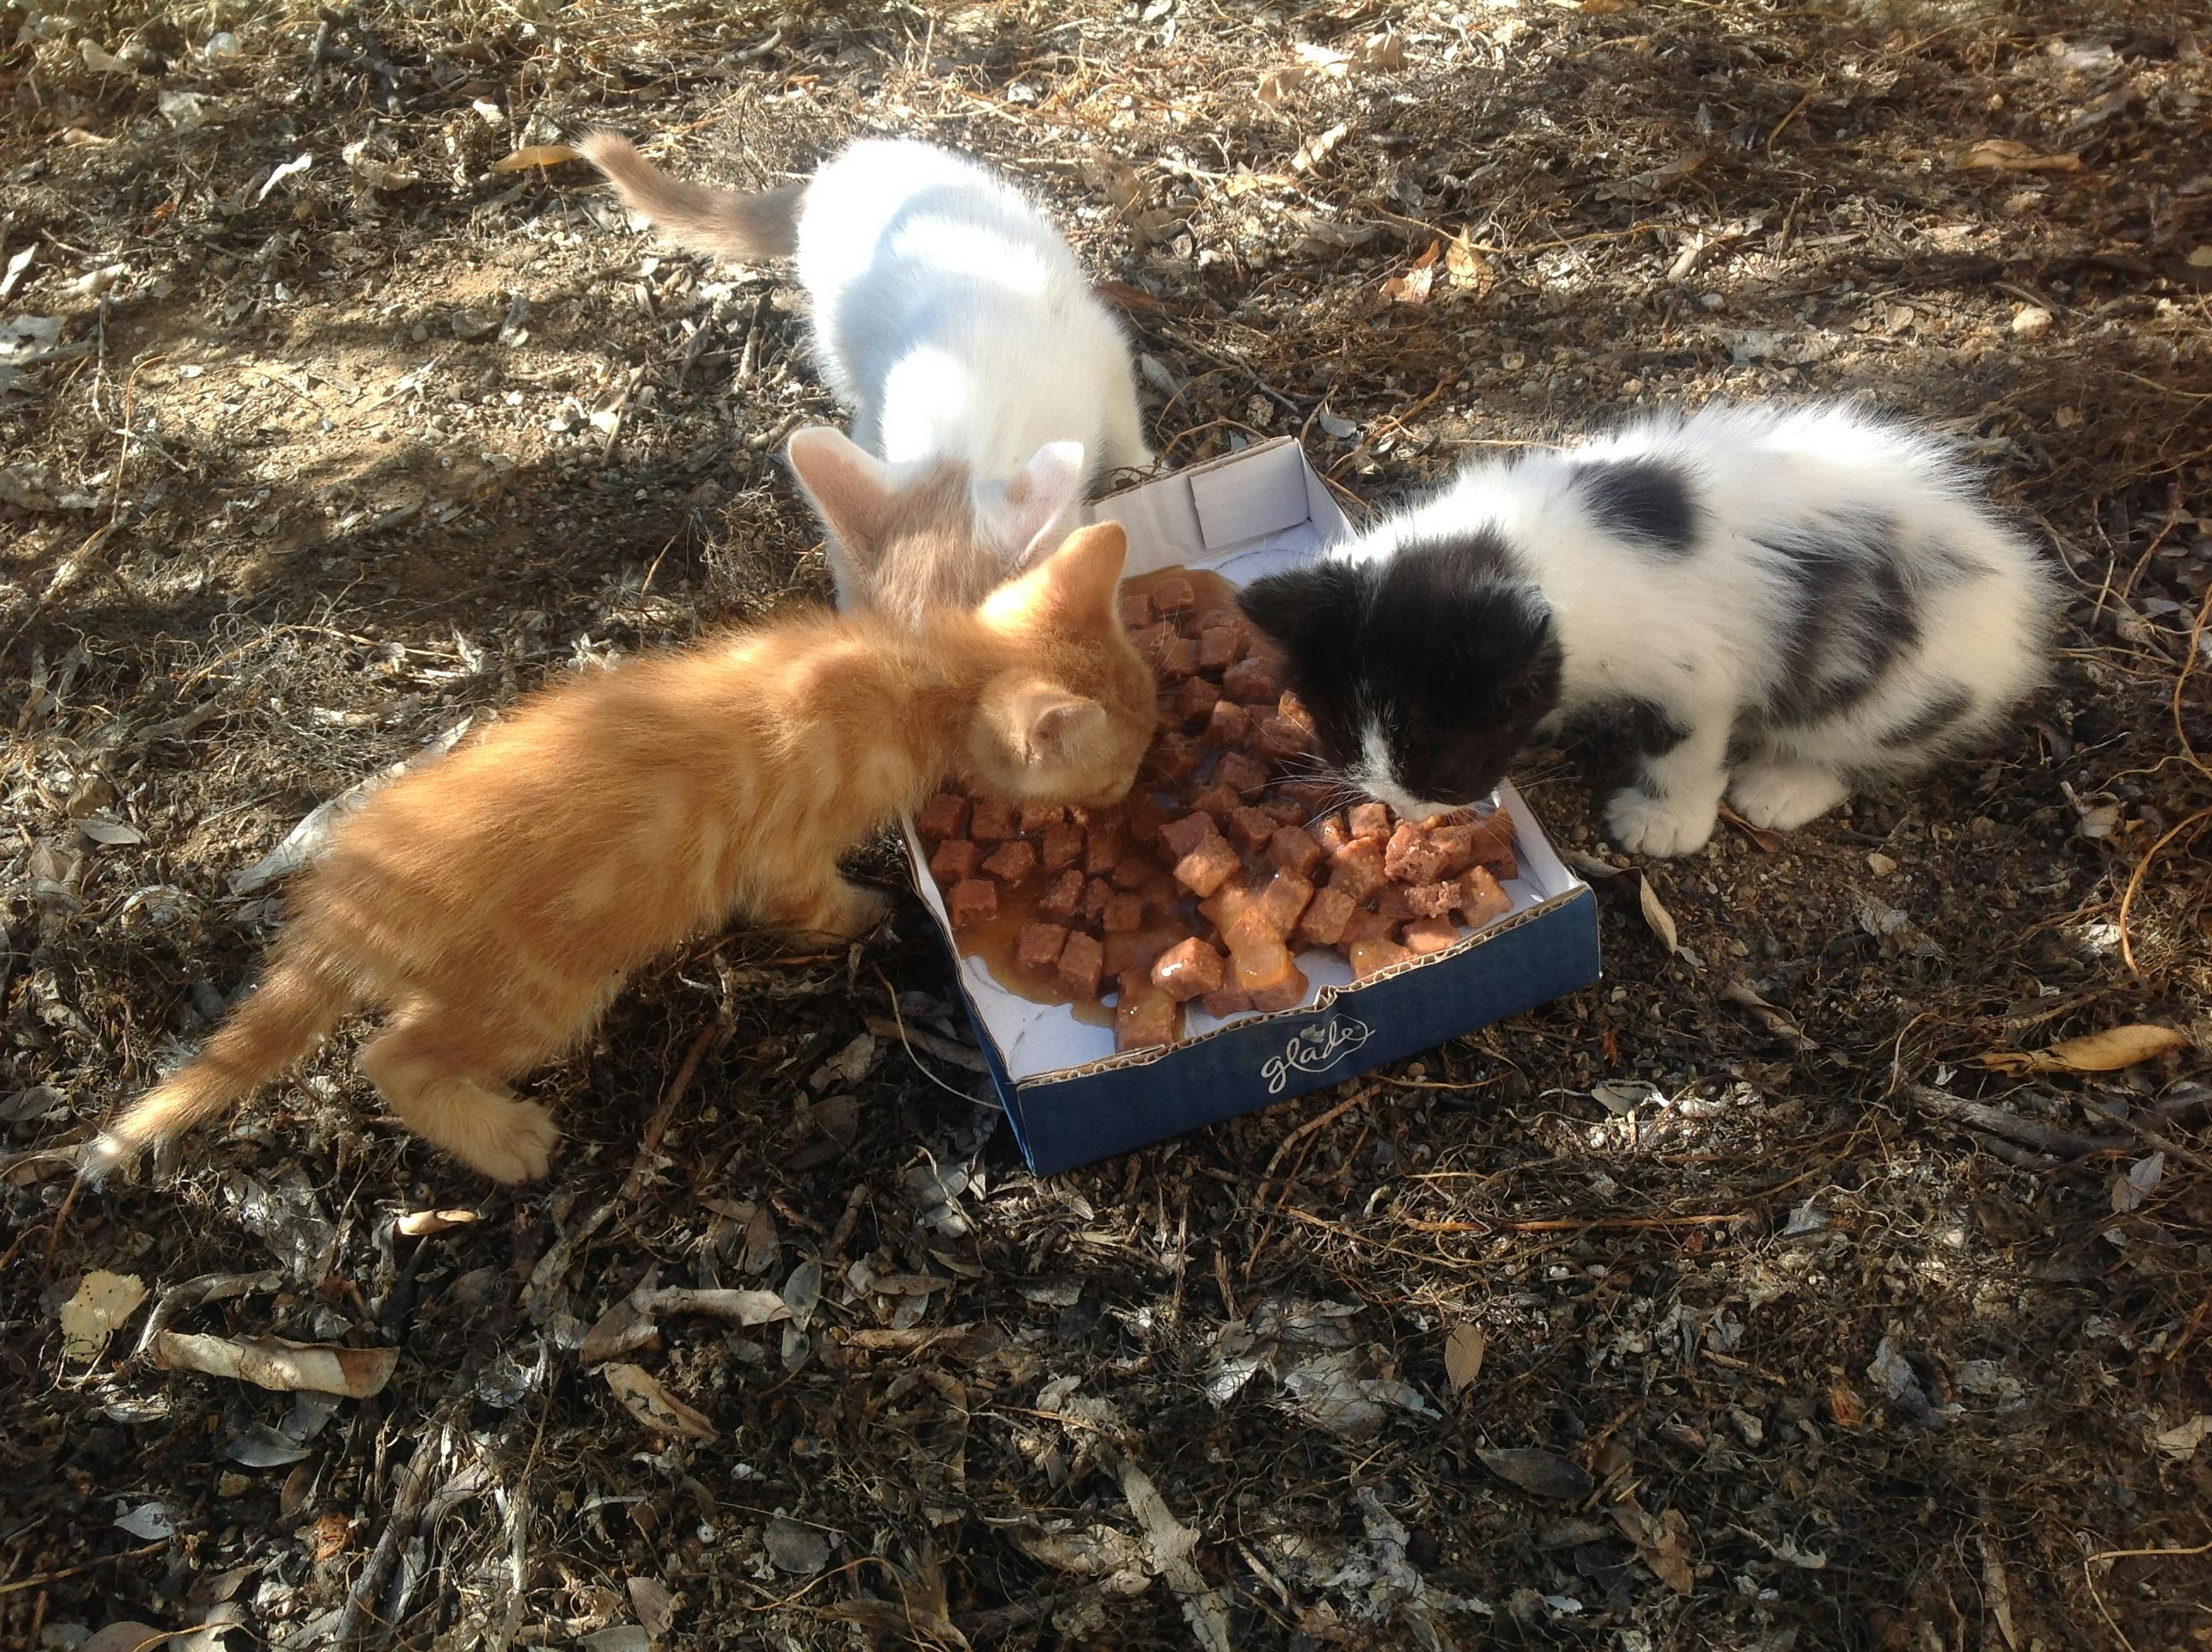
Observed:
{"x":1412,"y":286}
{"x":537,"y":154}
{"x":1769,"y":1017}
{"x":1844,"y":1405}
{"x":2104,"y":1052}
{"x":103,"y":1304}
{"x":2010,"y":154}
{"x":1646,"y":185}
{"x":1463,"y":1351}
{"x":1315,"y":151}
{"x":418,"y":1225}
{"x":1663,"y":1543}
{"x":645,"y":1399}
{"x":272,"y":1363}
{"x":1661,"y":920}
{"x":1546,"y":1473}
{"x":1468,"y":267}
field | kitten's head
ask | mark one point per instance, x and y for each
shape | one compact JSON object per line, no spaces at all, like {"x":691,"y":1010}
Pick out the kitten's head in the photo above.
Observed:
{"x":903,"y":536}
{"x":1068,"y":713}
{"x":1426,"y":671}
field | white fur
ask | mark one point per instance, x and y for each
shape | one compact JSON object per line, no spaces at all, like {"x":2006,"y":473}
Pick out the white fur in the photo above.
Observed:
{"x":951,"y":316}
{"x":1700,"y":635}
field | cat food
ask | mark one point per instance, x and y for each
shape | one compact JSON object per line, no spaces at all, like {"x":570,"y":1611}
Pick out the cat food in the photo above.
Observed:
{"x":1205,"y":885}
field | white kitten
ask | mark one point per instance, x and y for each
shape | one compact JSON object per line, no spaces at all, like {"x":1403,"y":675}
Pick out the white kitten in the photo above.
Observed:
{"x":1779,"y":605}
{"x":989,"y":386}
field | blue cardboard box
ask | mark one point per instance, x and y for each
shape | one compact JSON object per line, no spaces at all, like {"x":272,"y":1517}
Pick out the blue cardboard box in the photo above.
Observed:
{"x":1071,"y":1098}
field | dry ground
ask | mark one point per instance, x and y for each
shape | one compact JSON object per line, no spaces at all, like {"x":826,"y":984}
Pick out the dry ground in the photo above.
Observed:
{"x":330,"y":446}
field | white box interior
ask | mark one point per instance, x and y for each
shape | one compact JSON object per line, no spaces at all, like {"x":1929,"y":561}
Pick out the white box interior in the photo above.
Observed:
{"x":1242,"y":516}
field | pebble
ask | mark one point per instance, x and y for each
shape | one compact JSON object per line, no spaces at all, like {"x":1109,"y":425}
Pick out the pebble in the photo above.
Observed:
{"x":1881,"y":864}
{"x":2030,"y":321}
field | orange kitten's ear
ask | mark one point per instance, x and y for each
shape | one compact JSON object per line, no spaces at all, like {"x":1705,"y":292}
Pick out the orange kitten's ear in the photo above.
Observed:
{"x":1082,"y":574}
{"x":1022,"y":511}
{"x":849,"y":487}
{"x":1053,"y":728}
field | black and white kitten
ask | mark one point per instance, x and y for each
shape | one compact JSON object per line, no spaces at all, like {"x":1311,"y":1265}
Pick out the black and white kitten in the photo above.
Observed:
{"x":1786,"y":605}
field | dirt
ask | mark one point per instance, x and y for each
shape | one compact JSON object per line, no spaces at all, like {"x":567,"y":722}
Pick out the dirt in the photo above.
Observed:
{"x":1690,"y":1311}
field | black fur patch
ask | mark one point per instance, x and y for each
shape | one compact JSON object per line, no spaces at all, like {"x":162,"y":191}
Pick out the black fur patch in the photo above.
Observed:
{"x":1436,"y":644}
{"x":1942,"y":712}
{"x":1650,"y":730}
{"x":1856,"y":616}
{"x":1641,"y":499}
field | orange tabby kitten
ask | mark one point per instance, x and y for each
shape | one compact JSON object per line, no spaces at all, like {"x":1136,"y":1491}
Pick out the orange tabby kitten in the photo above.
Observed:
{"x":495,"y":901}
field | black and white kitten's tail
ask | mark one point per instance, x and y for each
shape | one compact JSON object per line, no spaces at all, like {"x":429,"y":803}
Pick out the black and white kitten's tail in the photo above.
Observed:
{"x":726,"y":223}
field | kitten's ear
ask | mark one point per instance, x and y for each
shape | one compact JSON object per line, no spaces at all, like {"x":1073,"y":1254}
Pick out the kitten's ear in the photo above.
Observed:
{"x":1025,"y":507}
{"x":1052,"y":728}
{"x":849,"y":487}
{"x":1297,"y":606}
{"x":1080,"y":578}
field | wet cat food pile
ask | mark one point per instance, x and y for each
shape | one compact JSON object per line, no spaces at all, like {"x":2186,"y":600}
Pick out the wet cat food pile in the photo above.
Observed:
{"x":1226,"y":862}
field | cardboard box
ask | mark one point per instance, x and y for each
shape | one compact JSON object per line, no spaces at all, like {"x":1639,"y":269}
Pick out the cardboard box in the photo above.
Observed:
{"x":1071,"y":1098}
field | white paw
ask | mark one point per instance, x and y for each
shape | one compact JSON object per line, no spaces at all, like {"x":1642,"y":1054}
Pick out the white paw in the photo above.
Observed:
{"x":1642,"y":824}
{"x":519,"y":1145}
{"x":1781,"y":800}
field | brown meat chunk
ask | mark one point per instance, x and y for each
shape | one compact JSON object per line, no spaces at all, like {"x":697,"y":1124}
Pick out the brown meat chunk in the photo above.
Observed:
{"x":1270,"y":976}
{"x":1217,"y":647}
{"x":1186,"y":834}
{"x":1426,"y":935}
{"x":1370,"y":820}
{"x":1283,"y":901}
{"x":1038,"y":947}
{"x":1136,"y":949}
{"x":1135,"y":870}
{"x":942,"y":817}
{"x":1227,"y":725}
{"x":1480,"y":898}
{"x":1012,"y":860}
{"x":1227,"y":905}
{"x":1315,"y":794}
{"x":1364,"y":925}
{"x":1172,"y":756}
{"x":1063,"y":845}
{"x":1124,"y":915}
{"x":1063,"y":897}
{"x":1280,"y":739}
{"x":1136,"y":609}
{"x":1294,"y":851}
{"x":1249,"y":829}
{"x":1321,"y":924}
{"x":1171,"y":594}
{"x":1208,"y":867}
{"x":1371,"y":957}
{"x":1503,"y":865}
{"x":1036,"y":816}
{"x":1218,"y":801}
{"x":1411,"y":858}
{"x":1145,"y":1016}
{"x":1329,"y":834}
{"x":1357,"y":869}
{"x":1081,"y":968}
{"x":1177,"y":662}
{"x":1432,"y":900}
{"x":1252,"y":680}
{"x":954,"y":859}
{"x":1226,"y":999}
{"x":1290,"y":813}
{"x":1292,"y":710}
{"x":1195,"y":702}
{"x":1189,"y":969}
{"x":992,"y":823}
{"x":1096,"y":892}
{"x":1152,"y":640}
{"x":1392,"y":906}
{"x":1102,"y":848}
{"x":971,"y":901}
{"x":1249,"y":775}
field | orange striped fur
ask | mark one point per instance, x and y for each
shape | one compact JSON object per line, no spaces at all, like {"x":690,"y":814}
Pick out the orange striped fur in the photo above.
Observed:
{"x":493,"y":903}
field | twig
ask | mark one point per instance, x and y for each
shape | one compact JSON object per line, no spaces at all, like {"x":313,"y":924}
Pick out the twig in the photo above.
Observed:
{"x":2157,"y":1139}
{"x":46,"y":1578}
{"x":2026,"y":1133}
{"x":961,"y":1055}
{"x":2108,"y":1555}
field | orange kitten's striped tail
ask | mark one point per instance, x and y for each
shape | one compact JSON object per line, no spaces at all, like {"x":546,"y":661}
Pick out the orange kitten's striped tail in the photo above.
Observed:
{"x":725,"y":223}
{"x":295,"y":1005}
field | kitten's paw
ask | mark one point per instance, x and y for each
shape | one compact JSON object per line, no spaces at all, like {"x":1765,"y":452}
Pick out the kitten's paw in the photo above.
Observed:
{"x":851,"y":912}
{"x":1644,"y":824}
{"x":516,"y":1143}
{"x":1782,"y":797}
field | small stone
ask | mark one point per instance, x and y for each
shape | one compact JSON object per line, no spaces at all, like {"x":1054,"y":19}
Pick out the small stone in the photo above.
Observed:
{"x":1749,"y":1428}
{"x":1981,"y":829}
{"x":2032,"y":321}
{"x":233,"y":1485}
{"x":1881,"y":864}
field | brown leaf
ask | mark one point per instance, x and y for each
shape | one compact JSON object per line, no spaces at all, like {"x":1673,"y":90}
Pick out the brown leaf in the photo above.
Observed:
{"x":1412,"y":286}
{"x":272,"y":1363}
{"x":1648,"y":184}
{"x":538,"y":155}
{"x":1544,"y":1473}
{"x":1845,"y":1408}
{"x":1769,"y":842}
{"x":331,"y":1533}
{"x":1467,"y":267}
{"x":2010,"y":154}
{"x":2104,"y":1052}
{"x":1314,"y":153}
{"x":645,"y":1397}
{"x":1463,"y":1351}
{"x":418,"y":1225}
{"x":1656,"y":914}
{"x":1769,"y":1017}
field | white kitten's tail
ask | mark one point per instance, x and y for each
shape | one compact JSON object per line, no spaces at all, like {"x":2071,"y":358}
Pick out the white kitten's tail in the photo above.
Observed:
{"x":725,"y":222}
{"x":297,"y":1002}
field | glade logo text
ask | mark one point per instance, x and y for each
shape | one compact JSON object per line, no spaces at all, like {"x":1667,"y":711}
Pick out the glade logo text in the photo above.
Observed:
{"x":1316,"y":1049}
